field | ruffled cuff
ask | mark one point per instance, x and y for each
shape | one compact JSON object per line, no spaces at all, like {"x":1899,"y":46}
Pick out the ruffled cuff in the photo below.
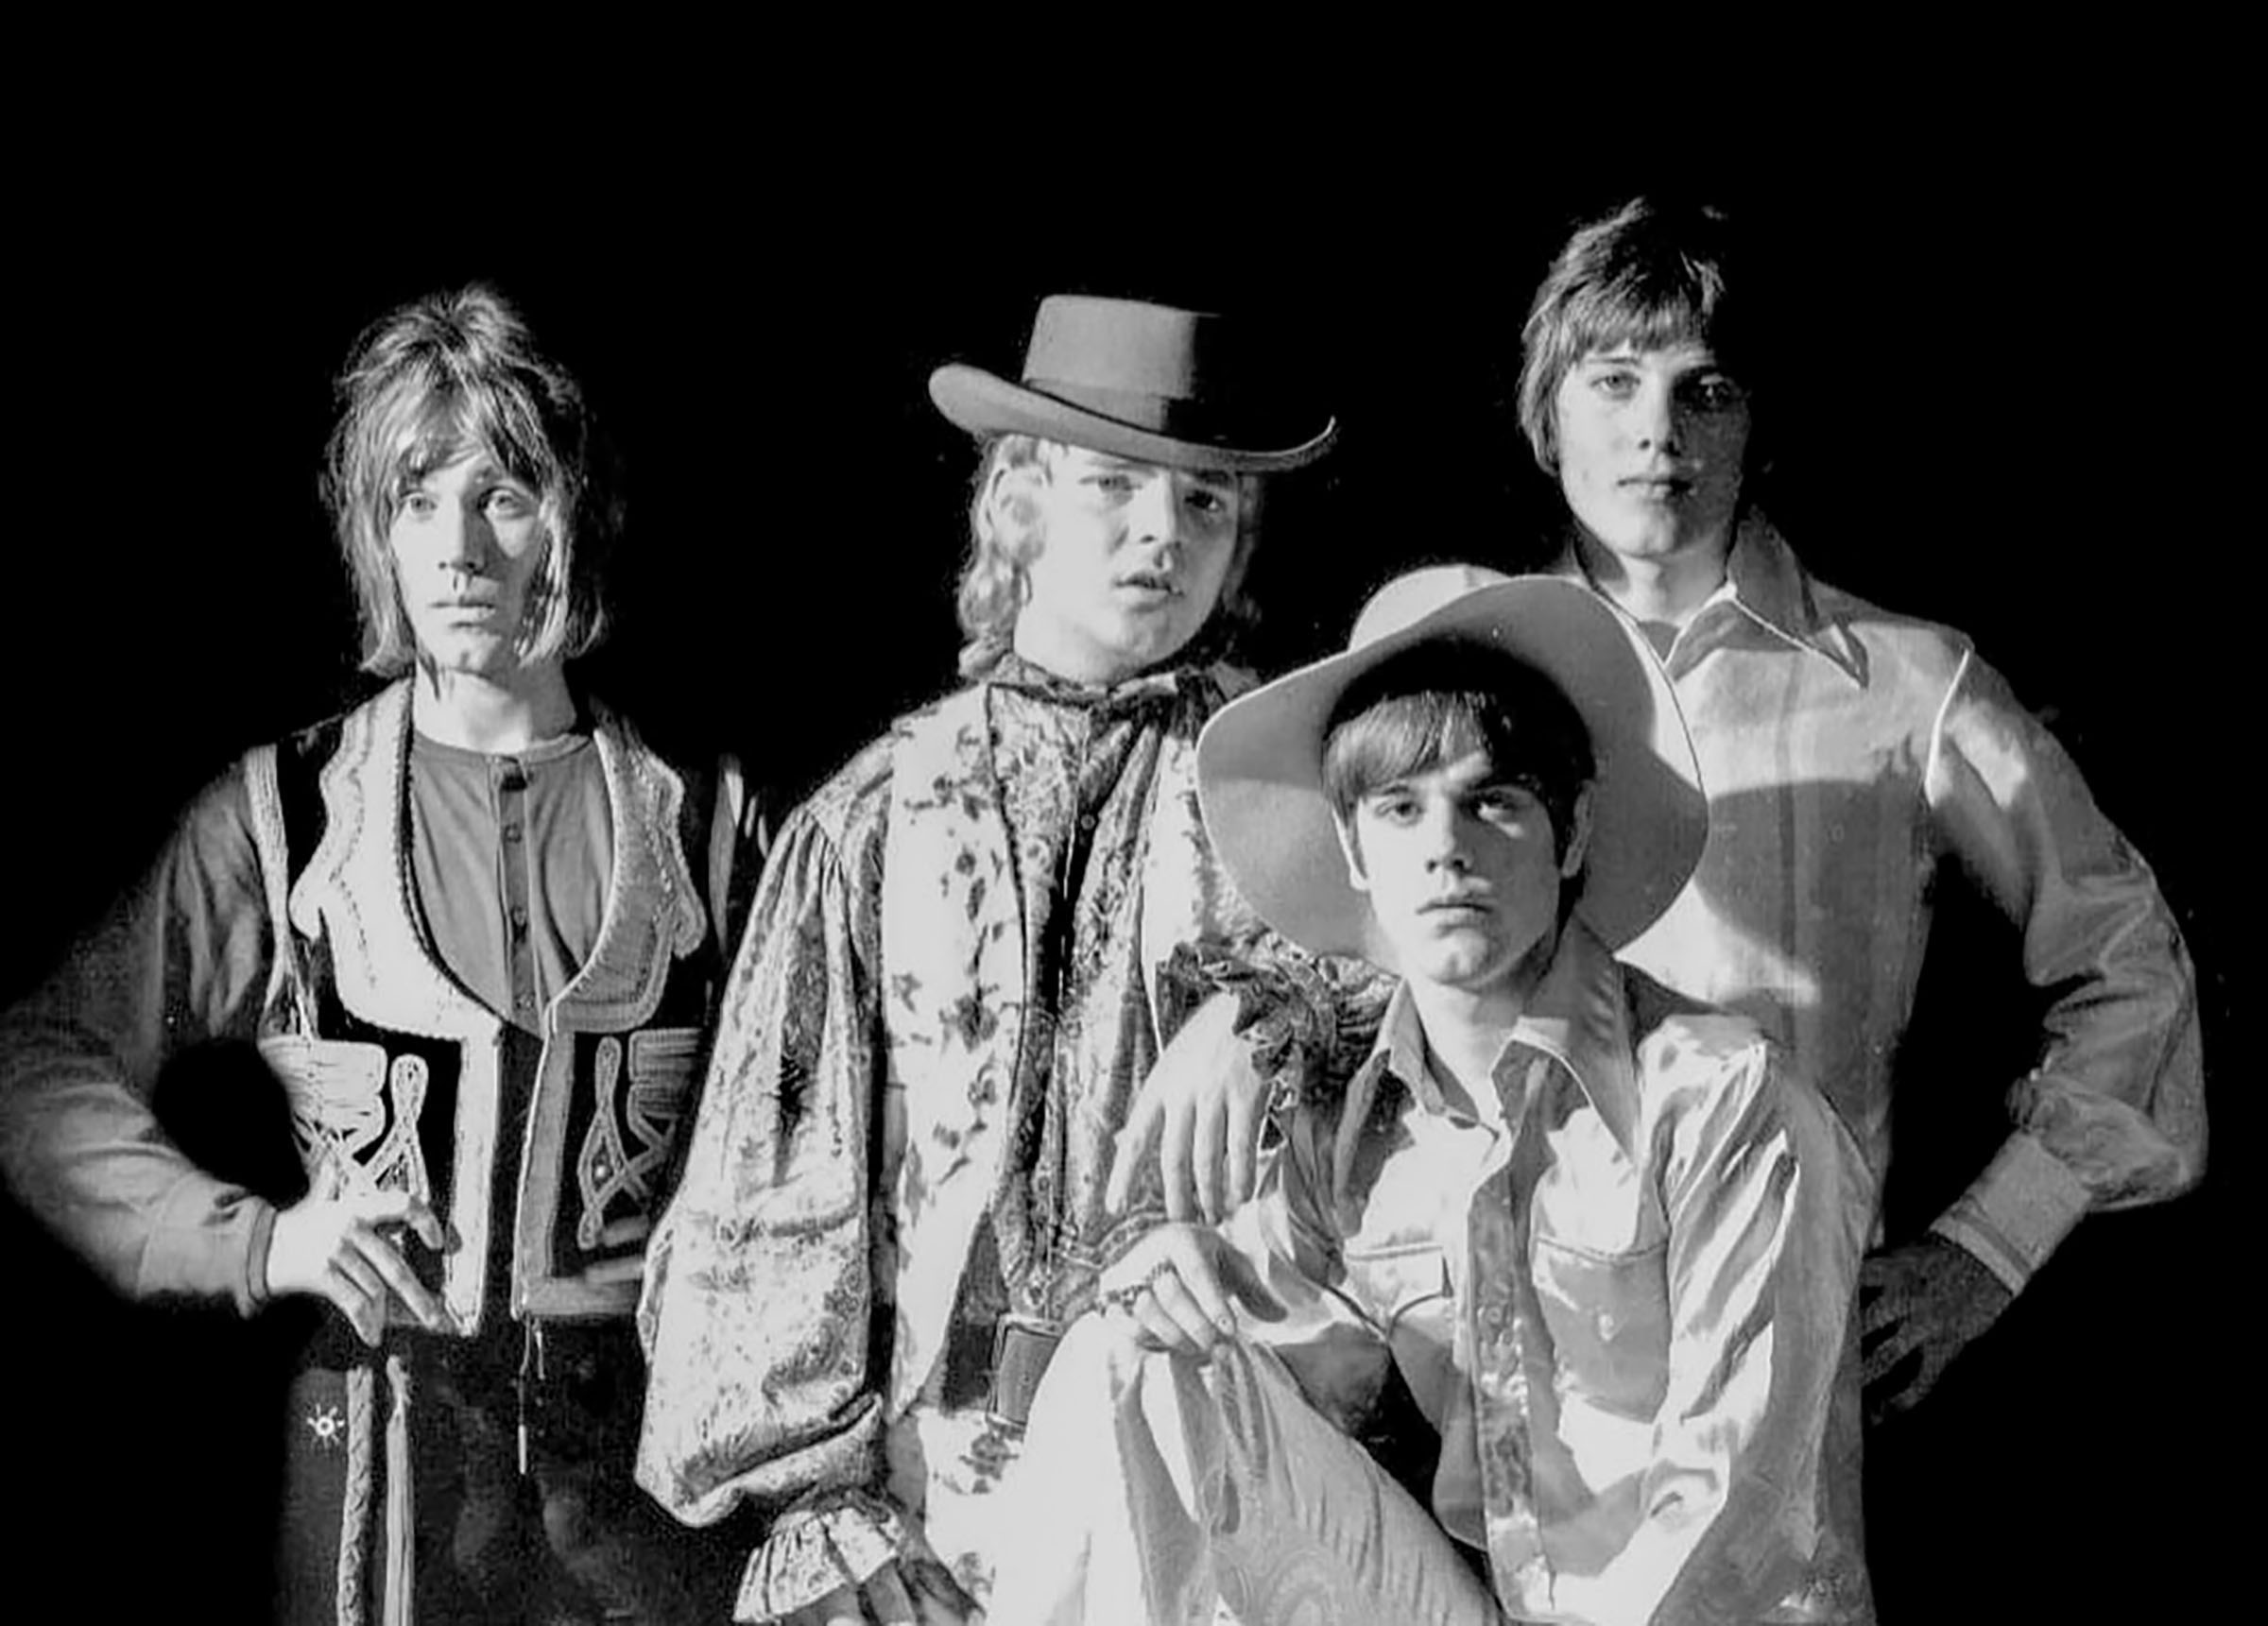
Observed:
{"x":826,"y":1542}
{"x":1284,"y":1009}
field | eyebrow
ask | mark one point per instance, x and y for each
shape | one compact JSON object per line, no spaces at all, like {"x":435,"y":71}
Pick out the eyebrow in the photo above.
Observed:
{"x":1626,"y":353}
{"x":1111,"y":462}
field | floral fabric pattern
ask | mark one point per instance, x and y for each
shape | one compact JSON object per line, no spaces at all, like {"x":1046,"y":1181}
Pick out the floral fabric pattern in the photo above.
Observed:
{"x":949,"y":992}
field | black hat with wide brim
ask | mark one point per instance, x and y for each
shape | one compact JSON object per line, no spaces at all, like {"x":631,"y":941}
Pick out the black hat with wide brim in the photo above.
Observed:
{"x":1188,"y":389}
{"x":1260,"y":761}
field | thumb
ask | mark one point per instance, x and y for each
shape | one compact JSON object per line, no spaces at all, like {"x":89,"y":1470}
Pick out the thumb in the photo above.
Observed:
{"x":1238,"y":1275}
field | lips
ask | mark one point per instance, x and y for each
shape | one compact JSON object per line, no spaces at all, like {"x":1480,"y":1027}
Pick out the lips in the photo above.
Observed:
{"x":1457,"y":902}
{"x":1661,"y":488}
{"x":1148,"y":582}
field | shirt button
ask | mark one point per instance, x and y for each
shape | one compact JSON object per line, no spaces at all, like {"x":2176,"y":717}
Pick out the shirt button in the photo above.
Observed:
{"x":511,"y":835}
{"x":519,"y":921}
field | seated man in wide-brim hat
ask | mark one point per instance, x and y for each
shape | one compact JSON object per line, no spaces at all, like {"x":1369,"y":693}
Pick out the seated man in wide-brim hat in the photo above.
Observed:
{"x":959,"y":967}
{"x":1589,"y":1230}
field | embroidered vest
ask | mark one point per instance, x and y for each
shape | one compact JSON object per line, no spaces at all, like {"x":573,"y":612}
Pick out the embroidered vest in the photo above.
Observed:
{"x":399,"y":1079}
{"x":954,"y":986}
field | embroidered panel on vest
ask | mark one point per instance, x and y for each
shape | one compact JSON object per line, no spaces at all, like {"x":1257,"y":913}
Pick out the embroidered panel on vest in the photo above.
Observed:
{"x":620,"y":1064}
{"x":353,"y":901}
{"x":401,"y":1084}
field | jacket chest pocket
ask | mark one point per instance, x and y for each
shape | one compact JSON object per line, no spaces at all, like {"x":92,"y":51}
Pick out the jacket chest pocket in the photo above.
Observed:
{"x":1608,"y":1315}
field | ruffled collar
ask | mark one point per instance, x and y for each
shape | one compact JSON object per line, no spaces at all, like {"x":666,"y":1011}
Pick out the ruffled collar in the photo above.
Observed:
{"x":1162,"y":683}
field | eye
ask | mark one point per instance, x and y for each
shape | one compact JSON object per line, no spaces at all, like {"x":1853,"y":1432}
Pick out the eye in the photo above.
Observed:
{"x":418,"y":503}
{"x":1112,"y":482}
{"x":1212,"y":504}
{"x":1615,"y":383}
{"x":1505,"y":804}
{"x":1393,"y":807}
{"x":504,"y":503}
{"x":1713,"y":392}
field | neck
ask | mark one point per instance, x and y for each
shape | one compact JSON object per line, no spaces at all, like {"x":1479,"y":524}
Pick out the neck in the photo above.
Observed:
{"x":1466,"y":1029}
{"x":1664,"y":591}
{"x":491,"y":715}
{"x":1048,"y":648}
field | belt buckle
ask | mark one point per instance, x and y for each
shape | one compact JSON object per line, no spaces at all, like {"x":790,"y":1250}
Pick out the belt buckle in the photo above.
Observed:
{"x":1021,"y":1347}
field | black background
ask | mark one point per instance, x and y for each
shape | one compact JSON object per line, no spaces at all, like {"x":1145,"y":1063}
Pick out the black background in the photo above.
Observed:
{"x":2008,"y":408}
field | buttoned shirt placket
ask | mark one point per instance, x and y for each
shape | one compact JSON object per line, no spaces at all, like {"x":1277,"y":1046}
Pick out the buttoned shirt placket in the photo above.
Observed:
{"x":1508,"y":1367}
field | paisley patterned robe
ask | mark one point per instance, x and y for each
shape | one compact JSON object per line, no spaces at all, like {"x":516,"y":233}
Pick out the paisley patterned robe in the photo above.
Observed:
{"x":959,"y":967}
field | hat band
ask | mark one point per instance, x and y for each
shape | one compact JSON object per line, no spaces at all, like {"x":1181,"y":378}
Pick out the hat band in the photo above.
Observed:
{"x":1175,"y":417}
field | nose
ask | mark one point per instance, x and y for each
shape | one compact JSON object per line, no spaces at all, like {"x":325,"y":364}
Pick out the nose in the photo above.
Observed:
{"x":1442,"y":830}
{"x":1155,"y":514}
{"x":462,"y":538}
{"x":1659,"y":424}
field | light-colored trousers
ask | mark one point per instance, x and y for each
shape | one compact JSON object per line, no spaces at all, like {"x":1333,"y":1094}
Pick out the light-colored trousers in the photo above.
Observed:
{"x":1164,"y":1491}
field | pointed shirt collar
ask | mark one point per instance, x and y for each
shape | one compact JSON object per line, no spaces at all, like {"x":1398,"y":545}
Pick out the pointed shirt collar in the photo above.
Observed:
{"x":1578,"y":1018}
{"x":1766,"y":582}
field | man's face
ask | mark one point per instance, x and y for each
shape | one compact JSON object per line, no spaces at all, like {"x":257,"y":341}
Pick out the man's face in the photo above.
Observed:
{"x":468,"y":543}
{"x":1132,"y":557}
{"x":1651,"y":449}
{"x":1463,"y":871}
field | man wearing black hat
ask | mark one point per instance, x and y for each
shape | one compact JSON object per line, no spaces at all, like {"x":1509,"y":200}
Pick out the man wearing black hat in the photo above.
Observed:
{"x":961,"y":964}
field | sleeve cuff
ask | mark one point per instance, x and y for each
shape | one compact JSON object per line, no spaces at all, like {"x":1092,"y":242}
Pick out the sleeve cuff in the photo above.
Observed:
{"x":830,"y":1542}
{"x":2017,"y":1211}
{"x":1282,"y":1009}
{"x":253,"y":1292}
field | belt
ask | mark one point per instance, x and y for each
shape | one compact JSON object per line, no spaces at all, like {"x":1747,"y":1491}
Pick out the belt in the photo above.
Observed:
{"x":1021,"y":1347}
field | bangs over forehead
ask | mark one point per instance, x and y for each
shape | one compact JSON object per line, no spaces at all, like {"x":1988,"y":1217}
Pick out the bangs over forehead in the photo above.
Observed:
{"x":454,"y":374}
{"x":1438,"y":702}
{"x":1646,"y":278}
{"x":1643,"y":309}
{"x":427,"y":422}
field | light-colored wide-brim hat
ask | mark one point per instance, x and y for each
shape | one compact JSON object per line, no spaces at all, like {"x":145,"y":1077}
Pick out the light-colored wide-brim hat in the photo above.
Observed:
{"x":1188,"y":389}
{"x":1260,"y":761}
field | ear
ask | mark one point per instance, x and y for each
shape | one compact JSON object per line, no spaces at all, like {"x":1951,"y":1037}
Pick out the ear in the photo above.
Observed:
{"x":1577,"y":845}
{"x":1350,"y":848}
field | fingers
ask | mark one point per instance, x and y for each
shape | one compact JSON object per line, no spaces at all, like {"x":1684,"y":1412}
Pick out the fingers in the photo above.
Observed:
{"x":365,"y":1309}
{"x":887,"y":1600}
{"x":1245,"y":1116}
{"x":838,"y":1608}
{"x":1178,"y":1304}
{"x":1883,"y":1361}
{"x":1137,"y":1141}
{"x":383,"y":1257}
{"x":938,"y":1600}
{"x":1159,"y":1329}
{"x":1194,"y":1304}
{"x":400,"y":1207}
{"x":1243,"y":1282}
{"x":1173,"y":1161}
{"x":1208,"y":1131}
